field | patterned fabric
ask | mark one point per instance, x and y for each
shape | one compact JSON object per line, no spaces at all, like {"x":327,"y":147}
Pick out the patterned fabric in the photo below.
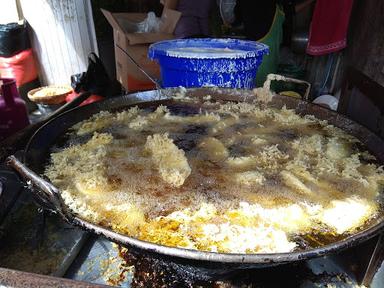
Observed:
{"x":329,"y":26}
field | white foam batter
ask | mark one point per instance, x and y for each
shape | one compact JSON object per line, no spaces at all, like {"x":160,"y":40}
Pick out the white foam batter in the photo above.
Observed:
{"x":208,"y":52}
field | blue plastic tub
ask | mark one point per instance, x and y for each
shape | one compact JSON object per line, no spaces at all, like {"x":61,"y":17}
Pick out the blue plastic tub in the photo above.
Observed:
{"x":228,"y":63}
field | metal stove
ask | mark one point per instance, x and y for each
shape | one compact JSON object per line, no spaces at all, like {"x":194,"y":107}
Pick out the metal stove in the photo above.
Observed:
{"x":36,"y":242}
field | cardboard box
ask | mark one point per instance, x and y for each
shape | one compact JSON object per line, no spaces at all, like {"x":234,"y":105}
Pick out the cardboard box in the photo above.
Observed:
{"x":136,"y":44}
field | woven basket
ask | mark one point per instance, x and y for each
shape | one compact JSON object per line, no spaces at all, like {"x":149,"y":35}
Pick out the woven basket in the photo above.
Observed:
{"x":53,"y":94}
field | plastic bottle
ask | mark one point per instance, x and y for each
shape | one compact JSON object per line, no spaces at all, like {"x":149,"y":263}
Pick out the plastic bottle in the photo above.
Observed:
{"x":13,"y":112}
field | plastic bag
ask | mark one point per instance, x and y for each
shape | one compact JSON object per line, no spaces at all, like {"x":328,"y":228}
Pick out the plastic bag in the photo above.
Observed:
{"x":150,"y":24}
{"x":95,"y":79}
{"x":13,"y":39}
{"x":21,"y":67}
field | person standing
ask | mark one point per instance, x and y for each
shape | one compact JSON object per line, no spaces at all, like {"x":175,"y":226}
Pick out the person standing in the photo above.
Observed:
{"x":263,"y":22}
{"x":194,"y":20}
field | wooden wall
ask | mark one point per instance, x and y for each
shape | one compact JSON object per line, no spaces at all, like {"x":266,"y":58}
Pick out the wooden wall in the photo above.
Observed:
{"x":62,"y":37}
{"x":363,"y":98}
{"x":365,"y":49}
{"x":8,"y":11}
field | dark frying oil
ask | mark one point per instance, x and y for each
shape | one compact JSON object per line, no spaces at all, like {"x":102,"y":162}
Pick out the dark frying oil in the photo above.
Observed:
{"x":259,"y":144}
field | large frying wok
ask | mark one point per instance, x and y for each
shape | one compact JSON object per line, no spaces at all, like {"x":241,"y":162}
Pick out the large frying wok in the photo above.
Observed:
{"x":208,"y":263}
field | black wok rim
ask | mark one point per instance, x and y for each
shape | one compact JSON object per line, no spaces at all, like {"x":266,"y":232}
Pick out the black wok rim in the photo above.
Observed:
{"x":233,"y":258}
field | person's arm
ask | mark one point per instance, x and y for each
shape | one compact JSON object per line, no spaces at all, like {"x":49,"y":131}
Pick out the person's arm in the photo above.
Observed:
{"x":303,"y":5}
{"x":170,"y":4}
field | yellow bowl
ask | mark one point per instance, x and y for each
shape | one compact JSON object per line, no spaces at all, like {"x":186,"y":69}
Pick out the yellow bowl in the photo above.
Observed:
{"x":291,"y":94}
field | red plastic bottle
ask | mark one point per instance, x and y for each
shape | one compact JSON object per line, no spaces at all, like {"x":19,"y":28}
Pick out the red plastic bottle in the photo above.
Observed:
{"x":13,"y":112}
